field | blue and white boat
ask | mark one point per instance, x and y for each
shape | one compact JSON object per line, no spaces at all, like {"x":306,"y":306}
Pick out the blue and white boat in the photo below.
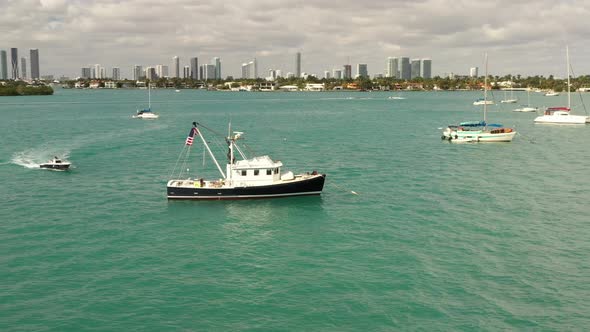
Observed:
{"x":147,"y":113}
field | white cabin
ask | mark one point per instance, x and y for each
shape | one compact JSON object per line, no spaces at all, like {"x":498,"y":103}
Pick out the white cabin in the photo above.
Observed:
{"x":257,"y":171}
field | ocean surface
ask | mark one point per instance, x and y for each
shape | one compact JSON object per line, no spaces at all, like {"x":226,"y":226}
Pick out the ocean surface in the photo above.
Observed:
{"x":439,"y":236}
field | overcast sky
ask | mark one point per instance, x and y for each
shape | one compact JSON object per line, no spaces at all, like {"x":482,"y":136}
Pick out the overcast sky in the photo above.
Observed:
{"x":521,"y":37}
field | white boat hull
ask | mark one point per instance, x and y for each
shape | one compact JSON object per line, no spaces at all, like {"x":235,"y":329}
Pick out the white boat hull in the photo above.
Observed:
{"x":562,"y":119}
{"x":146,"y":116}
{"x":526,"y":109}
{"x":474,"y":136}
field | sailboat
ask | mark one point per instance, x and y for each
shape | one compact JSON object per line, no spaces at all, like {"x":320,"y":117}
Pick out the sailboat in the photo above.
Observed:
{"x":528,"y":107}
{"x":147,"y":113}
{"x":512,"y":100}
{"x":479,"y":131}
{"x":562,"y":115}
{"x":257,"y":177}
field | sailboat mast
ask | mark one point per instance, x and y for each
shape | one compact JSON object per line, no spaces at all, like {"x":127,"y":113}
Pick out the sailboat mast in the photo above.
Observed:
{"x":149,"y":95}
{"x":567,"y":55}
{"x":485,"y":92}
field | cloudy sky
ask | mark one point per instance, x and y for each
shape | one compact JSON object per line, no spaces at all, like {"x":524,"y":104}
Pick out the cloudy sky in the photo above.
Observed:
{"x":521,"y":37}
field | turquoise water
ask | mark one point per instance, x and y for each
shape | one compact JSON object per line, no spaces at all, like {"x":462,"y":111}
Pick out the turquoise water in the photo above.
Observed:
{"x":439,"y":237}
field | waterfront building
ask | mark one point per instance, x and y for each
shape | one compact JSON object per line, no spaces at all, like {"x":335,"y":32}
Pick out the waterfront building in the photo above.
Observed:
{"x":279,"y":73}
{"x":150,"y":73}
{"x":298,"y":64}
{"x":337,"y":74}
{"x":250,"y":69}
{"x":405,"y":68}
{"x":34,"y":57}
{"x":23,"y":65}
{"x":361,"y":70}
{"x":392,"y":67}
{"x":194,"y":68}
{"x":415,"y":68}
{"x":3,"y":66}
{"x":347,"y":72}
{"x":208,"y":72}
{"x":473,"y":72}
{"x":162,"y":71}
{"x":427,"y":68}
{"x":175,"y":66}
{"x":272,"y":75}
{"x":85,"y":73}
{"x":97,"y":71}
{"x":186,"y":72}
{"x":217,"y":63}
{"x":327,"y":74}
{"x":137,"y":72}
{"x":116,"y":73}
{"x":14,"y":62}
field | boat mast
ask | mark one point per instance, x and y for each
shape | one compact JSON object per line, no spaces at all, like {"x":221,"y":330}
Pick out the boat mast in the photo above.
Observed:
{"x":210,"y":153}
{"x":231,"y":152}
{"x":149,"y":96}
{"x":567,"y":55}
{"x":485,"y":92}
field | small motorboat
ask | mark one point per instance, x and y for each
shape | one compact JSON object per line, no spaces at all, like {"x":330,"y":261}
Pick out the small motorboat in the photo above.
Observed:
{"x":56,"y":164}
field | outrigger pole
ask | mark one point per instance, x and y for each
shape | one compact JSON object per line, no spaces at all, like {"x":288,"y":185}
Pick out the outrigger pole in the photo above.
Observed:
{"x":210,"y":153}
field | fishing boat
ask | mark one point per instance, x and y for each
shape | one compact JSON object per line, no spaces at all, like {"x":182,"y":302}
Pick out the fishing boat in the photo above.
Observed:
{"x":562,"y":115}
{"x":56,"y":163}
{"x":147,"y":113}
{"x":247,"y":178}
{"x":479,"y":131}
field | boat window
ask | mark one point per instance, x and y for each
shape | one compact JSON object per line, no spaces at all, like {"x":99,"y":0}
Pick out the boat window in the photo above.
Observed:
{"x":244,"y":173}
{"x":269,"y":172}
{"x":276,"y":171}
{"x":256,"y":171}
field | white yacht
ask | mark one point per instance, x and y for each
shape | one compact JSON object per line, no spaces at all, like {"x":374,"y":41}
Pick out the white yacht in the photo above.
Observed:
{"x":551,"y":94}
{"x":56,"y":164}
{"x":482,"y":101}
{"x":562,"y":115}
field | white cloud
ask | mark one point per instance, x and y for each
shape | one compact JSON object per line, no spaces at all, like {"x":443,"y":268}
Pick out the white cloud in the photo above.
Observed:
{"x":526,"y":37}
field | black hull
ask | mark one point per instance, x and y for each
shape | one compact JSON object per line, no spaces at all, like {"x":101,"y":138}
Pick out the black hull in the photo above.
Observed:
{"x":312,"y":186}
{"x":55,"y":167}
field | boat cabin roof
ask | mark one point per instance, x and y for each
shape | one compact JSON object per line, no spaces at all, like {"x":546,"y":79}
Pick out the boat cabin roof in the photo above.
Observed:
{"x":257,"y":163}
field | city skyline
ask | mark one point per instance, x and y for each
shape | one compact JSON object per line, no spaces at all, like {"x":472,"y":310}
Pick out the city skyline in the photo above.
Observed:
{"x":74,"y":34}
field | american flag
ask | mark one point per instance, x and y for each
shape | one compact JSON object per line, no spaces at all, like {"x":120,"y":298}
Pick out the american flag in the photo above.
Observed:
{"x":191,"y":135}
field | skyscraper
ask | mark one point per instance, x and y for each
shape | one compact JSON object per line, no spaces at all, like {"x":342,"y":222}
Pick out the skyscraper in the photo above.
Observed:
{"x":175,"y":67}
{"x":337,"y":74}
{"x":298,"y":65}
{"x":3,"y":66}
{"x":195,"y":68}
{"x":137,"y":72}
{"x":162,"y":71}
{"x":186,"y":72}
{"x":116,"y":73}
{"x":415,"y":68}
{"x":473,"y":72}
{"x":34,"y":57}
{"x":327,"y":74}
{"x":427,"y":68}
{"x":97,"y":71}
{"x":250,"y":69}
{"x":23,"y":66}
{"x":150,"y":73}
{"x":361,"y":70}
{"x":217,"y":63}
{"x":347,"y":72}
{"x":85,"y":72}
{"x":392,"y":64}
{"x":14,"y":62}
{"x":405,"y":71}
{"x":208,"y":72}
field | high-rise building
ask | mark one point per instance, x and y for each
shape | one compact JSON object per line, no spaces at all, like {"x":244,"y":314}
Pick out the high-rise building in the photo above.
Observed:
{"x":97,"y":71}
{"x":347,"y":72}
{"x":186,"y":72}
{"x":116,"y":73}
{"x":175,"y":66}
{"x":250,"y":69}
{"x":217,"y":63}
{"x":272,"y":75}
{"x":327,"y":74}
{"x":415,"y":68}
{"x":392,"y":67}
{"x":194,"y":68}
{"x":473,"y":72}
{"x":298,"y":65}
{"x":337,"y":74}
{"x":34,"y":57}
{"x":405,"y":70}
{"x":85,"y":73}
{"x":279,"y":73}
{"x":137,"y":72}
{"x":150,"y":73}
{"x":14,"y":62}
{"x":361,"y":70}
{"x":3,"y":66}
{"x":427,"y":68}
{"x":23,"y":66}
{"x":208,"y":72}
{"x":162,"y":71}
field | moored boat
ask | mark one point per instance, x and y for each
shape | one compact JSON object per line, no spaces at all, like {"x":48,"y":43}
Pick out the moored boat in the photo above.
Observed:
{"x":248,"y":178}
